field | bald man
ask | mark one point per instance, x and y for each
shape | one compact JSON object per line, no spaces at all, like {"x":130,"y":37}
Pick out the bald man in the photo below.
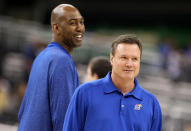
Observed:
{"x":53,"y":76}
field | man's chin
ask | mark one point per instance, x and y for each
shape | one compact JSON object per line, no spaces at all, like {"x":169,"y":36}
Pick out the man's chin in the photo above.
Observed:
{"x":77,"y":44}
{"x":128,"y":76}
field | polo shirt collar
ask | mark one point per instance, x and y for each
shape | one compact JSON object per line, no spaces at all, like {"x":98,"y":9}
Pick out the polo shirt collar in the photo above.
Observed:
{"x":110,"y":87}
{"x":137,"y":91}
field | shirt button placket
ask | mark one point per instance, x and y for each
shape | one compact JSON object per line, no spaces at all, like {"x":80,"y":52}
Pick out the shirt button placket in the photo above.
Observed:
{"x":122,"y":104}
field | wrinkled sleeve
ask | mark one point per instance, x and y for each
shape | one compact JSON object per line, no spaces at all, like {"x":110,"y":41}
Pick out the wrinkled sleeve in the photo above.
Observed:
{"x":76,"y":113}
{"x":157,"y":118}
{"x":61,"y":88}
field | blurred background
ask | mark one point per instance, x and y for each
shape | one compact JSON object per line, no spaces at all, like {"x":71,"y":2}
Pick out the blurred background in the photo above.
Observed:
{"x":163,"y":26}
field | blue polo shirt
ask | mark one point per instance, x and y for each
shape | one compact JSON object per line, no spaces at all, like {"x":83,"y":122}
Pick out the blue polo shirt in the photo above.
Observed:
{"x":53,"y":79}
{"x":100,"y":106}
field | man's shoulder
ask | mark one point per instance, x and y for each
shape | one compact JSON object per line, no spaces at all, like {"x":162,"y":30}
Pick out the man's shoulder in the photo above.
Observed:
{"x":54,"y":54}
{"x":91,"y":86}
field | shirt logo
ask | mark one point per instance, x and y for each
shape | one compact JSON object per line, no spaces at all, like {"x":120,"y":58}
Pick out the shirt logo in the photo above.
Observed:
{"x":137,"y":107}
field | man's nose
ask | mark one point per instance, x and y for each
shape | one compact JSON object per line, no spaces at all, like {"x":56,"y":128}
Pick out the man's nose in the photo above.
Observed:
{"x":79,"y":27}
{"x":128,"y":63}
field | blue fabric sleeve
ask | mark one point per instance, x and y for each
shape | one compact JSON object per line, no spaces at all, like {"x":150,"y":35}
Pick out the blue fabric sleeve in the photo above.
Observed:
{"x":157,"y":117}
{"x":76,"y":113}
{"x":61,"y":88}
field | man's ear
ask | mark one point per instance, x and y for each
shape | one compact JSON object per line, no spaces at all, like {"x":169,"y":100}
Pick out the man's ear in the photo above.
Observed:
{"x":55,"y":28}
{"x":95,"y":76}
{"x":111,"y":58}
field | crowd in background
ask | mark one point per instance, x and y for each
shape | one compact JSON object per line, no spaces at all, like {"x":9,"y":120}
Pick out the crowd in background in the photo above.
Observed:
{"x":15,"y":67}
{"x":176,"y":61}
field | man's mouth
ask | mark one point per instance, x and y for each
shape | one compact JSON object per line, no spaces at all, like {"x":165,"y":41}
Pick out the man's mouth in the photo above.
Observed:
{"x":128,"y":70}
{"x":79,"y":37}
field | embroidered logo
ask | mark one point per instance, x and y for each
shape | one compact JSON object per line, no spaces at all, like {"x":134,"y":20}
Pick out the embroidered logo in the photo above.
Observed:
{"x":137,"y":107}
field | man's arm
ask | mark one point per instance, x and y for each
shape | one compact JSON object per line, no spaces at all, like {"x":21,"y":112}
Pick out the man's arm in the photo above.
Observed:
{"x":61,"y":88}
{"x":76,"y":113}
{"x":157,"y":118}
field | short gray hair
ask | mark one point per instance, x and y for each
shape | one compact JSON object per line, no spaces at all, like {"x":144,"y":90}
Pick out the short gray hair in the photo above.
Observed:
{"x":127,"y":39}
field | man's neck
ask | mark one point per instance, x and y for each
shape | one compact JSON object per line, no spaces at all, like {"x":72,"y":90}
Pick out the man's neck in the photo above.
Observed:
{"x":69,"y":50}
{"x":124,"y":85}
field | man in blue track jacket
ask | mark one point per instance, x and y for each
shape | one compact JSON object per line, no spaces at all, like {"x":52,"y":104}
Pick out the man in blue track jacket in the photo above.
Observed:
{"x":53,"y":77}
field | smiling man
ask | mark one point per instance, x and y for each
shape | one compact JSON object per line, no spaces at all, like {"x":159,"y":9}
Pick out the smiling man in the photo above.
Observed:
{"x":53,"y":76}
{"x":116,"y":102}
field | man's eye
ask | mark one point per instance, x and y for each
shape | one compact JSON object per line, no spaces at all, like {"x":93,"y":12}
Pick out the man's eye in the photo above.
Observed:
{"x":123,"y":58}
{"x":72,"y":23}
{"x":82,"y":22}
{"x":134,"y":59}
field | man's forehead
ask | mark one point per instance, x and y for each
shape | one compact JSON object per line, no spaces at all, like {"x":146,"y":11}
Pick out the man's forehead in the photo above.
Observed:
{"x":70,"y":15}
{"x":127,"y":48}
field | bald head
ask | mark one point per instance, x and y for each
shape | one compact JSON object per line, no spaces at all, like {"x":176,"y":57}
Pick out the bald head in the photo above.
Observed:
{"x":67,"y":26}
{"x":60,"y":11}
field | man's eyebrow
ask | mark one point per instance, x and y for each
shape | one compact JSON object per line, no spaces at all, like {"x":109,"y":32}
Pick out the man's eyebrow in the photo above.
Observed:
{"x":76,"y":19}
